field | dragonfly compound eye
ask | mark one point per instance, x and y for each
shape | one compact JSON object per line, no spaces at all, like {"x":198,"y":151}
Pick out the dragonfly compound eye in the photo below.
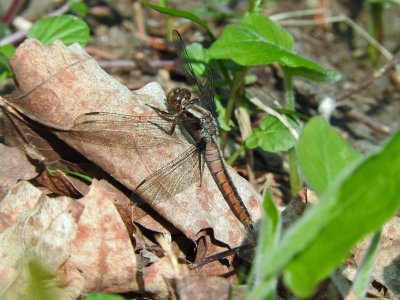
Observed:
{"x":176,"y":96}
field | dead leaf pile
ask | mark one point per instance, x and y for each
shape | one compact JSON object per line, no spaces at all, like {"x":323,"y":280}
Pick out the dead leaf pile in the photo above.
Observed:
{"x":94,"y":238}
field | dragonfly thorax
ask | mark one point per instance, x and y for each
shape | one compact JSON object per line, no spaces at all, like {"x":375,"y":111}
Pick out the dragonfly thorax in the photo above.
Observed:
{"x":177,"y":98}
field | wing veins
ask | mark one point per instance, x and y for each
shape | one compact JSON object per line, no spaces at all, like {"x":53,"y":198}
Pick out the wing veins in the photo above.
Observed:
{"x":163,"y":183}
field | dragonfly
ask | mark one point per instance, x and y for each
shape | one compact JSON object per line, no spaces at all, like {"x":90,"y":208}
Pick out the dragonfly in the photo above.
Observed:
{"x":195,"y":114}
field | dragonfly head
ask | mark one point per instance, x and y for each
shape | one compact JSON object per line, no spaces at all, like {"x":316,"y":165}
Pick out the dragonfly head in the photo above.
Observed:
{"x":177,"y":98}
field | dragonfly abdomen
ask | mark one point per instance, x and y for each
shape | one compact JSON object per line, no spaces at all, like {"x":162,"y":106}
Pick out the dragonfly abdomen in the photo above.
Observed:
{"x":219,"y":172}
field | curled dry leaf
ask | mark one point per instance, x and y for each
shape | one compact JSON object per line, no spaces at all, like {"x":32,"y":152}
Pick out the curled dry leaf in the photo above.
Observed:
{"x":63,"y":185}
{"x":14,"y":166}
{"x":59,"y":83}
{"x":82,"y":245}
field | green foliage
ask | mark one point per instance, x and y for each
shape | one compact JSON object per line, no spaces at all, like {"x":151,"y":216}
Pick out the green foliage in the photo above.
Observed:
{"x":363,"y":277}
{"x":68,"y":29}
{"x":6,"y":51}
{"x":85,"y":177}
{"x":198,"y":58}
{"x":103,"y":296}
{"x":258,"y":40}
{"x":323,"y":154}
{"x":4,"y":30}
{"x":78,"y":7}
{"x":221,"y":110}
{"x":268,"y":238}
{"x":182,"y":14}
{"x":348,"y":210}
{"x":40,"y":281}
{"x":272,"y":135}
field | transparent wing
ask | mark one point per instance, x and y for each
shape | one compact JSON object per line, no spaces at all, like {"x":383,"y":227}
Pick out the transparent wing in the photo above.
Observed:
{"x":172,"y":178}
{"x":123,"y":131}
{"x":205,"y":91}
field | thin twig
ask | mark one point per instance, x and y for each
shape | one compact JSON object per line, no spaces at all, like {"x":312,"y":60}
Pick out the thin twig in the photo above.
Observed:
{"x":388,"y":66}
{"x":332,"y":19}
{"x":219,"y":256}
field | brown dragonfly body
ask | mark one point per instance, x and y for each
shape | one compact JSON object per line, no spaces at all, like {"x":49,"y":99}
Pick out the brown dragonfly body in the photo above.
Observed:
{"x":202,"y":127}
{"x":195,"y":115}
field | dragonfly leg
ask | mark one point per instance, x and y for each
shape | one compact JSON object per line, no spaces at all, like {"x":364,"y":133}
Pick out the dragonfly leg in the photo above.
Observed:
{"x":163,"y":114}
{"x":168,"y":117}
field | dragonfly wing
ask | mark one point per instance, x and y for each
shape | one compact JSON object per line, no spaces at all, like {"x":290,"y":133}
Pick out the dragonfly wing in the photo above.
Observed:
{"x":205,"y":91}
{"x":122,"y":131}
{"x":172,"y":178}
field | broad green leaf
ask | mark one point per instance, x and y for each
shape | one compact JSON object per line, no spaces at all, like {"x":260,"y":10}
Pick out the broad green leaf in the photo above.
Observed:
{"x":364,"y":272}
{"x":68,"y":29}
{"x":258,"y":40}
{"x":182,"y":14}
{"x":360,"y":201}
{"x":103,"y":296}
{"x":323,"y":154}
{"x":268,"y":238}
{"x":272,"y":135}
{"x":366,"y":198}
{"x":198,"y":58}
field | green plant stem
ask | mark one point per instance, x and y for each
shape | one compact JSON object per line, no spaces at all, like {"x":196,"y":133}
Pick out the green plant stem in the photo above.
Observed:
{"x":168,"y":20}
{"x":295,"y":181}
{"x":238,"y":82}
{"x":231,"y":160}
{"x":289,"y":95}
{"x":294,"y":176}
{"x":375,"y":27}
{"x":254,"y":6}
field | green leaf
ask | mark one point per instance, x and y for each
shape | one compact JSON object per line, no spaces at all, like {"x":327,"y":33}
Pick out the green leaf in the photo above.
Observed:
{"x":198,"y":58}
{"x":360,"y":201}
{"x":5,"y":70}
{"x":323,"y":154}
{"x":103,"y":296}
{"x":272,"y":135}
{"x":221,"y":111}
{"x":268,"y":238}
{"x":78,"y":7}
{"x":8,"y":50}
{"x":41,"y":281}
{"x":68,"y":29}
{"x":363,"y":277}
{"x":182,"y":14}
{"x":258,"y":40}
{"x":349,"y":210}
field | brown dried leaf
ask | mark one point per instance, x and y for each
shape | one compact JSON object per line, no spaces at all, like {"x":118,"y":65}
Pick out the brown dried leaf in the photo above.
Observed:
{"x":38,"y":143}
{"x":14,"y":166}
{"x":207,"y":247}
{"x":159,"y":277}
{"x":207,"y":288}
{"x":82,"y":244}
{"x":57,"y":84}
{"x":63,"y":185}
